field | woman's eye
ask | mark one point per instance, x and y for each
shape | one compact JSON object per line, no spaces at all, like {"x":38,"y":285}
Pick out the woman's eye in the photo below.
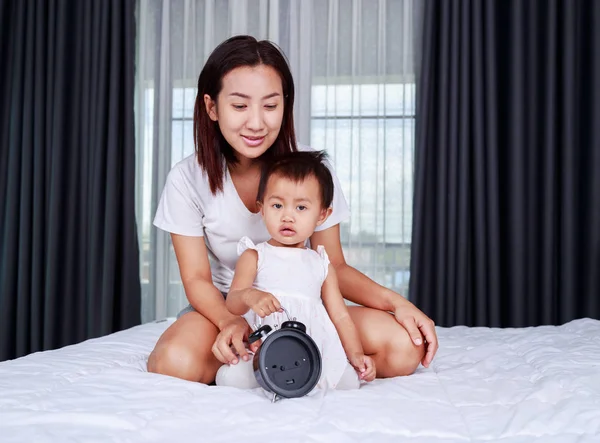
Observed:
{"x":301,"y":208}
{"x":277,"y":205}
{"x":271,"y":107}
{"x":239,"y":107}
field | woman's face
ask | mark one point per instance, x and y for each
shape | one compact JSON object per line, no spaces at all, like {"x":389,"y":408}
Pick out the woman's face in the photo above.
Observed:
{"x":249,"y":109}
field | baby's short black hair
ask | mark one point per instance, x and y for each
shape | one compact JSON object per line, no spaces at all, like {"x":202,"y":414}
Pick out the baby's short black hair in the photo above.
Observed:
{"x":297,"y":166}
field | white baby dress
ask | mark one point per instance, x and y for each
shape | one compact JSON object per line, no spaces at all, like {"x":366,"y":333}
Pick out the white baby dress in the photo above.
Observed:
{"x":295,"y":276}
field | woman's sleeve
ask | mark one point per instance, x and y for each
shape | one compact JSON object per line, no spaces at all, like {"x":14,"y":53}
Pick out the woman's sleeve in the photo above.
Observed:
{"x":341,"y":211}
{"x":178,"y":212}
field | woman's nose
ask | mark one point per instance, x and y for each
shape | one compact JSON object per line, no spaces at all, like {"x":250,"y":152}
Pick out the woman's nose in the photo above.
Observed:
{"x":255,"y":120}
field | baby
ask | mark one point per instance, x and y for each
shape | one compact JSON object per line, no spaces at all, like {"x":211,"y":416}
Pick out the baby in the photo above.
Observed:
{"x":295,"y":196}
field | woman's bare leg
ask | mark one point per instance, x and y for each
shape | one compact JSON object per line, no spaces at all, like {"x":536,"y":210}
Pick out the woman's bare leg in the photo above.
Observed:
{"x":184,"y":350}
{"x":387,"y":342}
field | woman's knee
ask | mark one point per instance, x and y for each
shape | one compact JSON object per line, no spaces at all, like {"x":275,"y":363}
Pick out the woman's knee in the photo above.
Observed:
{"x":180,"y":354}
{"x":180,"y":361}
{"x":388,"y":342}
{"x":402,"y":356}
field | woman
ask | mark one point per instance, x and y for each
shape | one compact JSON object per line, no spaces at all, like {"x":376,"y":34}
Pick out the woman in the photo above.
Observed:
{"x":243,"y":115}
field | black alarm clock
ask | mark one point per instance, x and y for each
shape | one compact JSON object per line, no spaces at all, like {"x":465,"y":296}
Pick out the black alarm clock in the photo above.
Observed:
{"x":288,"y":363}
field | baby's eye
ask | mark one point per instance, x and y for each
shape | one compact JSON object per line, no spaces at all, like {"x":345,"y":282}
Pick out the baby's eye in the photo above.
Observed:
{"x":301,"y":208}
{"x":239,"y":107}
{"x":277,"y":205}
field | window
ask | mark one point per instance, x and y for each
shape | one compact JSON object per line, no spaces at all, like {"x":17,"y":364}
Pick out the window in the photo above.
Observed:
{"x":368,"y":131}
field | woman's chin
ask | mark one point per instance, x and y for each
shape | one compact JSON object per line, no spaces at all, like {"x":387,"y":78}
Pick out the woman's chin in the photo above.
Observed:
{"x":249,"y":152}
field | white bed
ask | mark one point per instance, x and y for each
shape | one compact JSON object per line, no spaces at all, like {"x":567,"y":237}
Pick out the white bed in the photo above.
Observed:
{"x":520,"y":385}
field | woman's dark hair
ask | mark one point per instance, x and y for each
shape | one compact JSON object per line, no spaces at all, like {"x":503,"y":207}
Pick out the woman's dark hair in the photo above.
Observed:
{"x":235,"y":52}
{"x":297,"y":166}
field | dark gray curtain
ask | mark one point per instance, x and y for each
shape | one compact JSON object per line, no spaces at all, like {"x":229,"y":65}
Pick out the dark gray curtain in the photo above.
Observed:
{"x":507,"y":200}
{"x":69,"y":266}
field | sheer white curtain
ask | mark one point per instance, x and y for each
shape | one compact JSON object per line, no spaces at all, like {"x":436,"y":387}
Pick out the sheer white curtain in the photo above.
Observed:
{"x":353,"y":65}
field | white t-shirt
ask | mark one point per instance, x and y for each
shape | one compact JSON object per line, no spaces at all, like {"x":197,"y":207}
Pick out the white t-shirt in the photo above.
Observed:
{"x":187,"y":207}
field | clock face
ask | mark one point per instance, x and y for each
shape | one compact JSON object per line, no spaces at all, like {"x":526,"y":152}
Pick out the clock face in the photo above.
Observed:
{"x":289,"y":363}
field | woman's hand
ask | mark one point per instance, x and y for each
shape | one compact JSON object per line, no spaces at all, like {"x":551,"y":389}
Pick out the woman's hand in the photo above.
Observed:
{"x":364,"y":365}
{"x":262,"y":303}
{"x":233,"y":334}
{"x":418,"y":325}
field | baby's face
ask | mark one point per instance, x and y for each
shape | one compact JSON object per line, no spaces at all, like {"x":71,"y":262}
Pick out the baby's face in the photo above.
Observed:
{"x":291,"y":211}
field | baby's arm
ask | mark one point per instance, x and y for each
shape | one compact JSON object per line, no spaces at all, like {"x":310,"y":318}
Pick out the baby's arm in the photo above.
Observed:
{"x":338,"y":312}
{"x":242,"y":296}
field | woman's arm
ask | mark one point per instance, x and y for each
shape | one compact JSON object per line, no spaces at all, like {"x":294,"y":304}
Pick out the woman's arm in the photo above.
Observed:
{"x":194,"y":267}
{"x":358,"y":288}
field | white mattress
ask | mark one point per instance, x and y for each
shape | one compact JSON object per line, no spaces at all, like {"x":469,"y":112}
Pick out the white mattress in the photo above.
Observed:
{"x":522,"y":385}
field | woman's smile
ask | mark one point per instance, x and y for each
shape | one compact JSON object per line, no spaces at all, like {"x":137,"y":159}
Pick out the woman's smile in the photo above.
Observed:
{"x":253,"y":141}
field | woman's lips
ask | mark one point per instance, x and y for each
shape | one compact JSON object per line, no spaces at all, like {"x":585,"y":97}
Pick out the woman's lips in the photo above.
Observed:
{"x":253,"y":141}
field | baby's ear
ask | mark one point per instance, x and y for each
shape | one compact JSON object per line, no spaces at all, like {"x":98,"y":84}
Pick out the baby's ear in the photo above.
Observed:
{"x":325,"y":213}
{"x":260,"y":208}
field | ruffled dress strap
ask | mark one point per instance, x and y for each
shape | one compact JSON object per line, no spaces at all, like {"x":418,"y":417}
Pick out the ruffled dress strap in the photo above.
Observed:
{"x":246,"y":243}
{"x":325,"y":259}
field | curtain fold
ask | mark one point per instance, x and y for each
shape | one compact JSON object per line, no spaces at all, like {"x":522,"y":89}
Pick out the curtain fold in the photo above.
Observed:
{"x":69,"y":257}
{"x":507,"y":192}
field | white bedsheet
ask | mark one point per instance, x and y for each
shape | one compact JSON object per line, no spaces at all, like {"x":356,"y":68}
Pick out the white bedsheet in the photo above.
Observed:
{"x":521,"y":385}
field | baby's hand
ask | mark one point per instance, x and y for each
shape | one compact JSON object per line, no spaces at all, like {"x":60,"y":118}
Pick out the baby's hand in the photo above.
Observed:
{"x":262,"y":303}
{"x":365,"y":366}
